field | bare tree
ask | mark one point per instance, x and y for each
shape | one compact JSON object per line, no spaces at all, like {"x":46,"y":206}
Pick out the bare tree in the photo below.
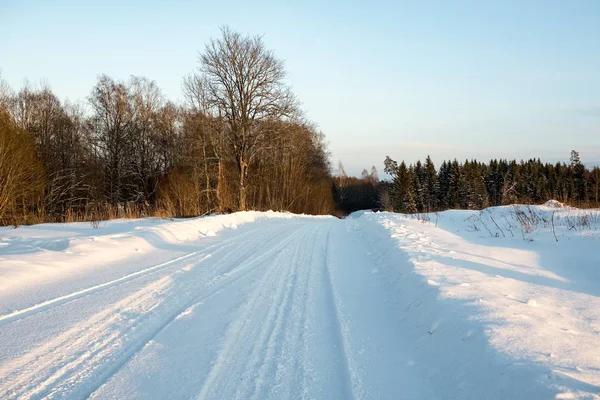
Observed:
{"x":144,"y":158}
{"x":207,"y":136}
{"x":341,"y":182}
{"x":245,"y":85}
{"x":112,"y":133}
{"x":21,"y":173}
{"x":5,"y":93}
{"x":168,"y":121}
{"x":132,"y":152}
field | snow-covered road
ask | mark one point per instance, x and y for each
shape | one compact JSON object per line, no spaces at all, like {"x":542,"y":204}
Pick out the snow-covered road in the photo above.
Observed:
{"x":263,"y":308}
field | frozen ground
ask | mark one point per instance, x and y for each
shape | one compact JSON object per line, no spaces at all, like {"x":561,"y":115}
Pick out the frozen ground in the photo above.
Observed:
{"x":274,"y":306}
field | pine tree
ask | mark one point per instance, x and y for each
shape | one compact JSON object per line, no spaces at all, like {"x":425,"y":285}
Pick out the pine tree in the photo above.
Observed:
{"x":444,"y":179}
{"x":456,"y":185}
{"x":493,"y":180}
{"x":579,"y":181}
{"x":430,"y":186}
{"x":595,"y":186}
{"x":418,"y":185}
{"x":403,"y":190}
{"x":475,"y":185}
{"x":476,"y":197}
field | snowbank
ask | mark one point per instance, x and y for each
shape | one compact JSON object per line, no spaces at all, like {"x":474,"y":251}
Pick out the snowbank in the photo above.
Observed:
{"x":529,"y":222}
{"x":553,"y":204}
{"x":36,"y":255}
{"x":490,"y":315}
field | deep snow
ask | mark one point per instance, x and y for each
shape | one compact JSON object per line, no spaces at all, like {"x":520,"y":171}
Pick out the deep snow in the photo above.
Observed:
{"x":459,"y":304}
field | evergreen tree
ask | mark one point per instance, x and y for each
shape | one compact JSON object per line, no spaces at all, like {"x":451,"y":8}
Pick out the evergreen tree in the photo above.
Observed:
{"x":579,"y":181}
{"x":456,"y":185}
{"x":493,"y":181}
{"x":476,"y":193}
{"x":444,"y":179}
{"x":403,"y":190}
{"x":390,"y":166}
{"x":430,"y":186}
{"x":475,"y":185}
{"x":418,"y":185}
{"x":595,"y":185}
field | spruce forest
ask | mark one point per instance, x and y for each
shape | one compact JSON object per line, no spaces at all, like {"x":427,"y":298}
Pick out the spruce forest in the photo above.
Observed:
{"x":468,"y":185}
{"x":238,"y":140}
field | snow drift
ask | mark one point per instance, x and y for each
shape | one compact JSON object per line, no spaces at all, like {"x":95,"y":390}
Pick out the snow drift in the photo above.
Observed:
{"x":492,"y":300}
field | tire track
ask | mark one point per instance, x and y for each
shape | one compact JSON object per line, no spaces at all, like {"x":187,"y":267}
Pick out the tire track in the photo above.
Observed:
{"x":280,"y":327}
{"x":57,"y":301}
{"x":77,"y":362}
{"x":48,"y":304}
{"x":348,"y":379}
{"x":288,"y":353}
{"x":218,"y":287}
{"x":237,"y":365}
{"x":303,"y":367}
{"x":263,"y":353}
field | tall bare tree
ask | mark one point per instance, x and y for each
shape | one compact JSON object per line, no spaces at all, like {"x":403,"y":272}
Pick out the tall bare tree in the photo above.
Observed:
{"x":205,"y":134}
{"x":5,"y":93}
{"x":144,"y":156}
{"x":341,"y":182}
{"x":21,"y":172}
{"x":112,"y":134}
{"x":245,"y":86}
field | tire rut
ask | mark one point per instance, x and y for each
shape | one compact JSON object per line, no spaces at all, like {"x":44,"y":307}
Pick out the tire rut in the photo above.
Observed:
{"x":18,"y":315}
{"x":94,"y":350}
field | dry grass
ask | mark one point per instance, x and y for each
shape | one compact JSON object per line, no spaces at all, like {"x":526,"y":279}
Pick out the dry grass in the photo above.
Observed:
{"x":94,"y":216}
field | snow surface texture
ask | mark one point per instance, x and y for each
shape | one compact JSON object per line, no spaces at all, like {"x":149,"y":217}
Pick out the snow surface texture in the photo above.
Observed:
{"x":460,"y":304}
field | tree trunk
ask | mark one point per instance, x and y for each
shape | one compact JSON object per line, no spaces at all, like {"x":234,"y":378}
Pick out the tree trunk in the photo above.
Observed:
{"x":206,"y":176}
{"x":597,"y":186}
{"x":243,"y":173}
{"x":219,"y":187}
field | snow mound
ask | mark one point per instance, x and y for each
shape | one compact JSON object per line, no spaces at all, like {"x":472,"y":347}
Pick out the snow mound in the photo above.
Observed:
{"x":553,"y":204}
{"x":53,"y":251}
{"x":526,"y":276}
{"x":552,"y":220}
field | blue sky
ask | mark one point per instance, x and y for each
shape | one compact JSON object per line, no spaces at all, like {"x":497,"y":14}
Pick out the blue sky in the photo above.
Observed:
{"x":476,"y":79}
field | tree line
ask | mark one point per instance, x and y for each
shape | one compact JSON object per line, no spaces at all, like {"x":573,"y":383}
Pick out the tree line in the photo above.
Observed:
{"x":471,"y":184}
{"x":352,"y":193}
{"x":239,"y":141}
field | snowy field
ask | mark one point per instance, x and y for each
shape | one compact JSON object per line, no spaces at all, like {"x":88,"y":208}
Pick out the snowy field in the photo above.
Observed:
{"x":498,"y":304}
